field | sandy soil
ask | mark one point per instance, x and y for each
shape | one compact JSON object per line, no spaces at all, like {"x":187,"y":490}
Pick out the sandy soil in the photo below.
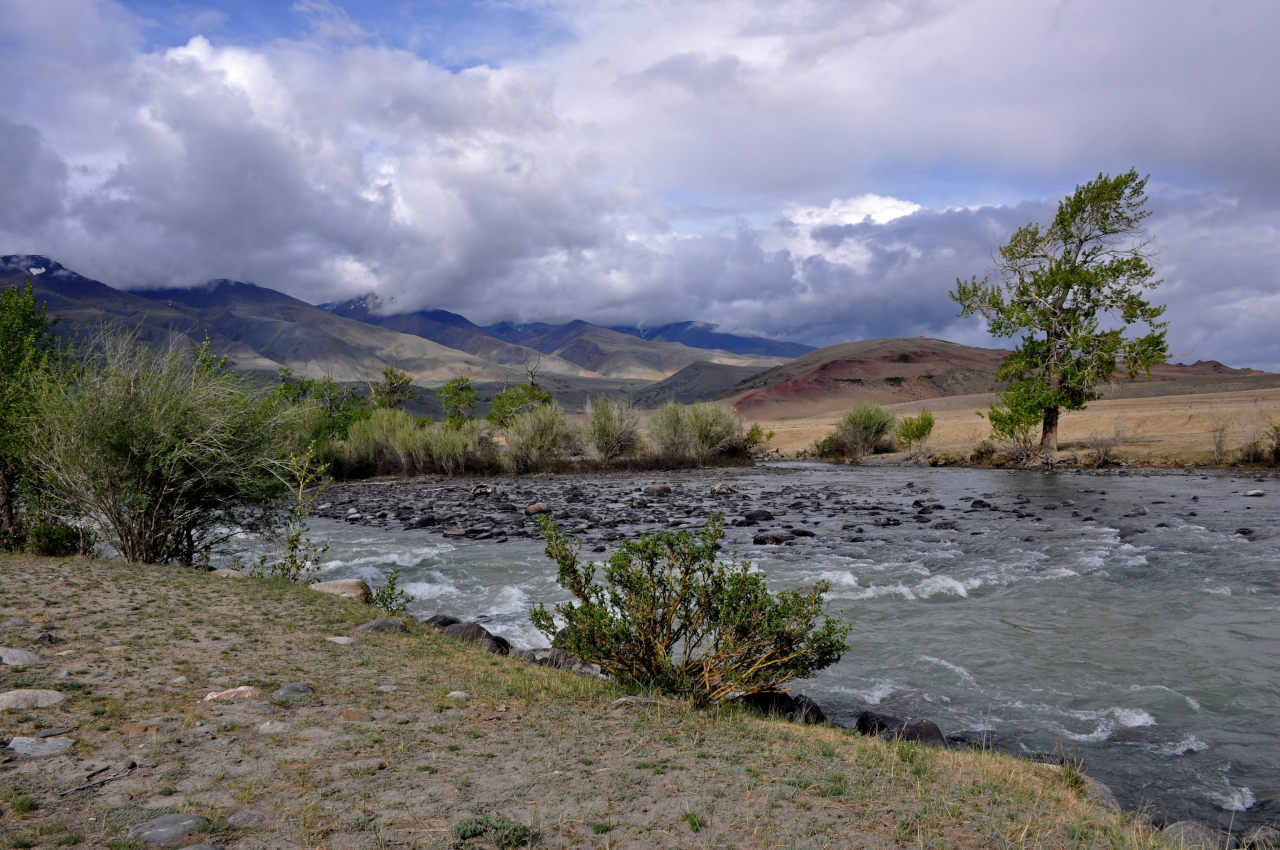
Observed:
{"x":387,"y":753}
{"x":1175,"y":429}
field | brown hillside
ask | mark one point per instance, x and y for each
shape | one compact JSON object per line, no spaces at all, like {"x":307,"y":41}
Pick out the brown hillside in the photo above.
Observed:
{"x":887,"y":371}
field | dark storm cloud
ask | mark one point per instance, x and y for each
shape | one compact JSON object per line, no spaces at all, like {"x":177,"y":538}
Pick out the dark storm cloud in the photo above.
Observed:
{"x":630,"y":173}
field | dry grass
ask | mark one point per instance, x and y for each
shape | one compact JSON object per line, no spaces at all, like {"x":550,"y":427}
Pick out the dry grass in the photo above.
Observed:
{"x":530,"y":747}
{"x":1166,"y":430}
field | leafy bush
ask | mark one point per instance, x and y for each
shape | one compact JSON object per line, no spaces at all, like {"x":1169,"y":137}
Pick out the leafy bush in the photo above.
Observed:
{"x":1015,"y":417}
{"x":613,"y":428}
{"x":865,"y":425}
{"x":755,"y":437}
{"x":58,"y":539}
{"x":163,"y":452}
{"x":693,"y":434}
{"x":537,"y":439}
{"x":458,"y":398}
{"x":390,"y":597}
{"x":301,"y":558}
{"x":671,"y":617}
{"x":915,"y":430}
{"x":391,"y":442}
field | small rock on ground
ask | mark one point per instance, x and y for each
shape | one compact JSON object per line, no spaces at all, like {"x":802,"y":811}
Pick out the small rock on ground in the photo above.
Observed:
{"x":350,"y":588}
{"x":30,"y":698}
{"x":246,"y":818}
{"x":384,"y":624}
{"x":341,"y":641}
{"x":242,"y":692}
{"x":294,"y":690}
{"x":19,"y":657}
{"x":40,"y":746}
{"x":167,"y":830}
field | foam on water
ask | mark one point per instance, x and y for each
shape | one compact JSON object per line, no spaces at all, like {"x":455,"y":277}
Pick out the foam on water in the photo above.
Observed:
{"x":942,"y":586}
{"x":1188,"y":743}
{"x":434,"y":586}
{"x":964,"y":674}
{"x":1234,"y":798}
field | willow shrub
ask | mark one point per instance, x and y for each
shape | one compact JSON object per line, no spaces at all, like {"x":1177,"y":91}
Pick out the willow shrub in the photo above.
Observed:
{"x":163,"y":453}
{"x":865,"y":425}
{"x":537,"y":439}
{"x":391,"y":442}
{"x":694,"y":434}
{"x":613,"y":428}
{"x":669,"y":616}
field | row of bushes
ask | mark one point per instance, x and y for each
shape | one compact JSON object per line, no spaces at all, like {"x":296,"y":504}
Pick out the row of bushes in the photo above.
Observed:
{"x":391,"y":442}
{"x":867,"y":428}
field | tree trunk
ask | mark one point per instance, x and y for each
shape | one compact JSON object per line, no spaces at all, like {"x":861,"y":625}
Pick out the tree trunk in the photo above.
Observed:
{"x":1049,"y":434}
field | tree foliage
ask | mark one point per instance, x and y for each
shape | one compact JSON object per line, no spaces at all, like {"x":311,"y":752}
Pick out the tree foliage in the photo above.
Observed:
{"x":27,"y":352}
{"x":512,"y":402}
{"x":1069,"y":290}
{"x":164,"y":453}
{"x":670,"y":616}
{"x":914,"y":431}
{"x":458,"y":398}
{"x":862,"y":427}
{"x":393,"y":390}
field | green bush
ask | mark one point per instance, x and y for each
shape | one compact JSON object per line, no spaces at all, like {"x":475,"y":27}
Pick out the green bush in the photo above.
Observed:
{"x":391,"y":442}
{"x":863,"y":427}
{"x":671,"y":617}
{"x":1015,"y":416}
{"x":694,"y":434}
{"x":58,"y":539}
{"x":537,"y":439}
{"x":390,"y":597}
{"x":164,"y":453}
{"x":915,"y":430}
{"x":613,"y":428}
{"x":511,"y":402}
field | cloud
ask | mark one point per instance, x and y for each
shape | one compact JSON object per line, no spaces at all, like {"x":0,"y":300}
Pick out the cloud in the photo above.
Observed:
{"x":809,"y":169}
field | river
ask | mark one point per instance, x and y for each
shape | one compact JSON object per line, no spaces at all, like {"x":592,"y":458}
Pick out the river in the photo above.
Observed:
{"x":1129,"y":619}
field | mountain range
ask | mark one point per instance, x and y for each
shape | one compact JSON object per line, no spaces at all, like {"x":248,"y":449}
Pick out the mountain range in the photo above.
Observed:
{"x":263,"y":331}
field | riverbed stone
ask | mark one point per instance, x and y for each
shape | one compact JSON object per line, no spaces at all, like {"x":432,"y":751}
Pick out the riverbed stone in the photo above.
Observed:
{"x":1193,"y":835}
{"x":537,"y":508}
{"x":772,"y":538}
{"x":478,"y":634}
{"x":657,"y":490}
{"x":30,"y":698}
{"x":19,"y":657}
{"x":168,"y":830}
{"x":440,"y":622}
{"x":1261,"y":837}
{"x":293,"y":691}
{"x":348,"y":588}
{"x":797,"y":708}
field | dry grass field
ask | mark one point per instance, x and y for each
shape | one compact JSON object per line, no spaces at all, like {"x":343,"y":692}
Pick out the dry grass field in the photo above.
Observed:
{"x":1164,"y":430}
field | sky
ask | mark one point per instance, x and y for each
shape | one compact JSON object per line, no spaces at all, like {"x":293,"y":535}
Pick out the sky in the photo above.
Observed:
{"x":810,"y":170}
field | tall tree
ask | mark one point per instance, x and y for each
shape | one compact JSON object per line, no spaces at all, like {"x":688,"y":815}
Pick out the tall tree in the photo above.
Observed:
{"x":27,"y":348}
{"x":1070,"y":290}
{"x":393,"y":390}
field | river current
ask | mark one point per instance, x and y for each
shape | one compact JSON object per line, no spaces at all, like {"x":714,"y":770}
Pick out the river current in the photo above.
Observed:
{"x":1130,"y":620}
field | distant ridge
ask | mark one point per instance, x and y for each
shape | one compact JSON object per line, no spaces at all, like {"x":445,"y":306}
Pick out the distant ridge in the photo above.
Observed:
{"x":704,"y":335}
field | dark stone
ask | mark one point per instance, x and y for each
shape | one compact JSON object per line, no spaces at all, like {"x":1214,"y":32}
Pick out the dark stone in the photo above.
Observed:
{"x":923,"y":732}
{"x":769,"y":538}
{"x":420,"y":522}
{"x":48,"y":639}
{"x":167,"y":830}
{"x":979,"y":503}
{"x":657,"y":490}
{"x":797,"y":708}
{"x":944,"y":525}
{"x":245,"y":818}
{"x":294,"y":691}
{"x":478,"y":634}
{"x":1244,"y":532}
{"x":975,"y":739}
{"x":802,"y":532}
{"x":874,"y":723}
{"x":384,"y":624}
{"x":758,"y":515}
{"x":440,"y":622}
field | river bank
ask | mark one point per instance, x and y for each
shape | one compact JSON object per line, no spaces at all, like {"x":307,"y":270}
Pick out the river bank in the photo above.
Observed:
{"x":1126,"y":618}
{"x":415,"y":740}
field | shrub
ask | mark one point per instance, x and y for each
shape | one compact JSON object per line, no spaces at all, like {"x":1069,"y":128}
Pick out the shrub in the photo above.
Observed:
{"x":1015,"y":417}
{"x":613,"y":428}
{"x":391,"y":442}
{"x":163,"y":452}
{"x":390,"y":597}
{"x":915,"y":430}
{"x":755,"y":437}
{"x":693,"y":434}
{"x":671,"y":617}
{"x":458,"y":398}
{"x":58,"y":539}
{"x":537,"y":439}
{"x":865,"y":425}
{"x":301,"y":558}
{"x":1104,"y":445}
